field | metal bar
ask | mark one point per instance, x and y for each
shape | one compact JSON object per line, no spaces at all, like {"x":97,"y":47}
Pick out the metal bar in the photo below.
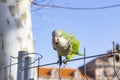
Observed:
{"x":38,"y":70}
{"x":114,"y":63}
{"x":34,"y":61}
{"x":5,"y":74}
{"x":10,"y":66}
{"x":0,"y":74}
{"x":28,"y":73}
{"x":11,"y":57}
{"x":59,"y":72}
{"x":40,"y":56}
{"x":85,"y":65}
{"x":21,"y":58}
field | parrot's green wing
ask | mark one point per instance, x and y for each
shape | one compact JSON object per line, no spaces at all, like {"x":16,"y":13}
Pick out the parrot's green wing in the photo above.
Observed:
{"x":74,"y":44}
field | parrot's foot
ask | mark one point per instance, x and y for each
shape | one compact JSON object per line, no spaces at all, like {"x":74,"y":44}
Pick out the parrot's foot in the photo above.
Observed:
{"x":59,"y":62}
{"x":65,"y":62}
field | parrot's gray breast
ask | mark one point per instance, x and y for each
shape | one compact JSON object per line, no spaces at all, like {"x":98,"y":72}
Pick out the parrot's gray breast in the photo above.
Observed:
{"x":62,"y":46}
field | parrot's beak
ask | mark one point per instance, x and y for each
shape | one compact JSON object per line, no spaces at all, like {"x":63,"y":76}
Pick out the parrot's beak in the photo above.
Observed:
{"x":56,"y":40}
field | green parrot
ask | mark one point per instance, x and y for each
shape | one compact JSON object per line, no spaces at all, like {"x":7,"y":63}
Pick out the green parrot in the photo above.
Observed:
{"x":65,"y":44}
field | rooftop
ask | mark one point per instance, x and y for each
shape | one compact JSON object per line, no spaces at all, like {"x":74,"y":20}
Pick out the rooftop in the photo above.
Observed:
{"x":66,"y":73}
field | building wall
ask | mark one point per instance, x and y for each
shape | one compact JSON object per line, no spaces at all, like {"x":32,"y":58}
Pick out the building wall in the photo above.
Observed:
{"x":102,"y":68}
{"x":105,"y":68}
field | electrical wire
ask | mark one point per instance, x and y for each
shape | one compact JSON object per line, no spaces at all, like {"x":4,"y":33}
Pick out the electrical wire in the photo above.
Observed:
{"x":42,"y":6}
{"x":75,"y":8}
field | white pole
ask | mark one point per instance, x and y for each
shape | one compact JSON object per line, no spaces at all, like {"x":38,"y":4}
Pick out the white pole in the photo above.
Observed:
{"x":15,"y":33}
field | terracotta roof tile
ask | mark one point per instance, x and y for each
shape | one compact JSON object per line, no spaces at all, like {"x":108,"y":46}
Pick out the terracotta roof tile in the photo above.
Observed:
{"x":65,"y":72}
{"x":44,"y":72}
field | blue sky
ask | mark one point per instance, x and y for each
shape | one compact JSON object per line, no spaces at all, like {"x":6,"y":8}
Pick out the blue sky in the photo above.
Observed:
{"x":95,"y":29}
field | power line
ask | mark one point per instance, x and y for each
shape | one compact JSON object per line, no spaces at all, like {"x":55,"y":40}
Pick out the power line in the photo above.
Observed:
{"x":75,"y":8}
{"x":42,"y":6}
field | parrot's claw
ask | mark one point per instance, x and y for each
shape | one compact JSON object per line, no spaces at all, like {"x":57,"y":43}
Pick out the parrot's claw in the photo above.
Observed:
{"x":65,"y":62}
{"x":59,"y":62}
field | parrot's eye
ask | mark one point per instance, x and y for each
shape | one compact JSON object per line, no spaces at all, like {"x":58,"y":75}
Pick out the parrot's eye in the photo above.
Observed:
{"x":60,"y":36}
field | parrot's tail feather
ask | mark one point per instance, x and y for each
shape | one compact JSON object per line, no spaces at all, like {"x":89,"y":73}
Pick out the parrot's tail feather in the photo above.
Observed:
{"x":80,"y":54}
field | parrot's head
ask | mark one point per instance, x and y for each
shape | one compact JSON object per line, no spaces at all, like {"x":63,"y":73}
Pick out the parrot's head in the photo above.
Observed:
{"x":55,"y":35}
